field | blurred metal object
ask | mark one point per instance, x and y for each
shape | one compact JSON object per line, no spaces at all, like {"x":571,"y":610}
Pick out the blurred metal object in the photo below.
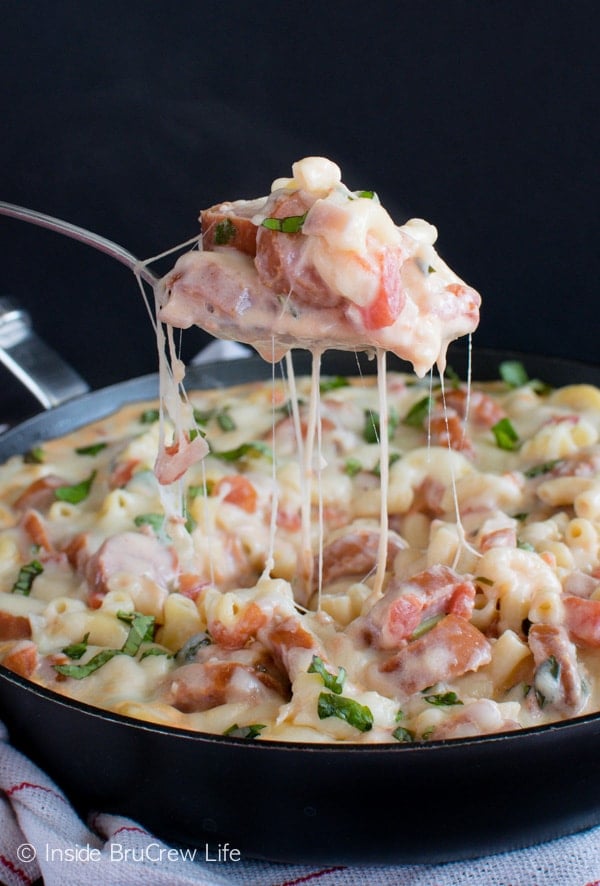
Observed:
{"x":37,"y":366}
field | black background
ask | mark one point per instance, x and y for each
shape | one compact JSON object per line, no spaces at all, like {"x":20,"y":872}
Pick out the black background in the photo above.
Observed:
{"x":128,"y":118}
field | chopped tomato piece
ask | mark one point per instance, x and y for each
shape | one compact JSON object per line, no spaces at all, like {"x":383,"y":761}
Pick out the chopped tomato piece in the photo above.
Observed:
{"x":582,"y":619}
{"x":14,"y":627}
{"x":238,"y":491}
{"x":22,"y":658}
{"x":35,"y":528}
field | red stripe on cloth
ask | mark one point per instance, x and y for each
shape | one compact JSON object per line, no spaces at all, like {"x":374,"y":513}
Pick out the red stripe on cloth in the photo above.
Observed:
{"x":15,"y":870}
{"x":37,"y":787}
{"x":314,"y":876}
{"x":129,"y":828}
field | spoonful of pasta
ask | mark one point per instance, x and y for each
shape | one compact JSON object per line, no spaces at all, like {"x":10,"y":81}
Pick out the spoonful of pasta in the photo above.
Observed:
{"x":314,"y":265}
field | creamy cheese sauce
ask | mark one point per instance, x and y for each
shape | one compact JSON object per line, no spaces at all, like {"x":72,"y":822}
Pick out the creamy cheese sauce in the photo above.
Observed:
{"x":404,"y":633}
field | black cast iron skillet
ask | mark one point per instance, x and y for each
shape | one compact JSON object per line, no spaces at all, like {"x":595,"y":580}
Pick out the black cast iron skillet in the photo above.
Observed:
{"x":324,"y":803}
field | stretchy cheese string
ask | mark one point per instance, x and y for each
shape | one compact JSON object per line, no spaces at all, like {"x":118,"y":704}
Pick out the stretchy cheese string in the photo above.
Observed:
{"x":384,"y":463}
{"x":270,"y":560}
{"x":307,"y":472}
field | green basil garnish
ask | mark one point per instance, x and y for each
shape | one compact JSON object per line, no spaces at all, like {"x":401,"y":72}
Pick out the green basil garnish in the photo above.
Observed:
{"x":225,"y":231}
{"x":543,"y":468}
{"x":78,"y":672}
{"x":334,"y":682}
{"x":77,"y":650}
{"x":149,"y":416}
{"x":357,"y":715}
{"x":403,"y":735}
{"x":352,"y":467}
{"x":76,"y":493}
{"x":372,"y":428}
{"x":513,"y":373}
{"x":141,"y":630}
{"x":34,"y":456}
{"x":156,"y":521}
{"x":332,"y":384}
{"x":253,"y":730}
{"x":443,"y":699}
{"x":225,"y":421}
{"x":549,"y":667}
{"x":256,"y":449}
{"x":418,"y":412}
{"x":425,"y":626}
{"x":26,"y":577}
{"x":292,"y":224}
{"x":505,"y":434}
{"x":93,"y":449}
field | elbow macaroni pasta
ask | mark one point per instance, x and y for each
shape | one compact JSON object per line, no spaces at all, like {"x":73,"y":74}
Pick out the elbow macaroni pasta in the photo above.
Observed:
{"x":229,"y":617}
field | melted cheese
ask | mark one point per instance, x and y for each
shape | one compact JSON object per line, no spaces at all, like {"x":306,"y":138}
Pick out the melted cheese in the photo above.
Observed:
{"x":389,"y":604}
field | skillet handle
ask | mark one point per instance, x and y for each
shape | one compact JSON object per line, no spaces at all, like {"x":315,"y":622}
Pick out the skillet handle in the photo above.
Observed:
{"x":32,"y":362}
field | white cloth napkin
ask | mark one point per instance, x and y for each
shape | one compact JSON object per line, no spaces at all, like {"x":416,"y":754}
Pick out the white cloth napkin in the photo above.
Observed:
{"x":41,"y":836}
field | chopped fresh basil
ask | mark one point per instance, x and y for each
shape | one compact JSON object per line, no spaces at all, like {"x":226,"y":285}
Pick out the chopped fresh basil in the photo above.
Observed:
{"x":256,"y":449}
{"x":155,"y":650}
{"x":26,"y":577}
{"x":197,"y":489}
{"x":225,"y":231}
{"x":34,"y":456}
{"x":505,"y":434}
{"x":394,"y":457}
{"x":190,"y":523}
{"x":334,"y":682}
{"x":452,"y":376}
{"x":253,"y":730}
{"x":203,"y":416}
{"x":418,"y":412}
{"x":78,"y":672}
{"x":149,"y":416}
{"x":544,"y":468}
{"x":352,"y":467}
{"x":191,"y":647}
{"x":156,"y":521}
{"x":225,"y":421}
{"x":513,"y":373}
{"x":292,"y":224}
{"x":426,"y":625}
{"x":76,"y":493}
{"x":77,"y":650}
{"x":357,"y":715}
{"x":93,"y":449}
{"x":547,"y":674}
{"x":443,"y":699}
{"x":367,"y":195}
{"x":332,"y":384}
{"x":141,"y":630}
{"x":372,"y":426}
{"x":525,"y":545}
{"x":403,"y":735}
